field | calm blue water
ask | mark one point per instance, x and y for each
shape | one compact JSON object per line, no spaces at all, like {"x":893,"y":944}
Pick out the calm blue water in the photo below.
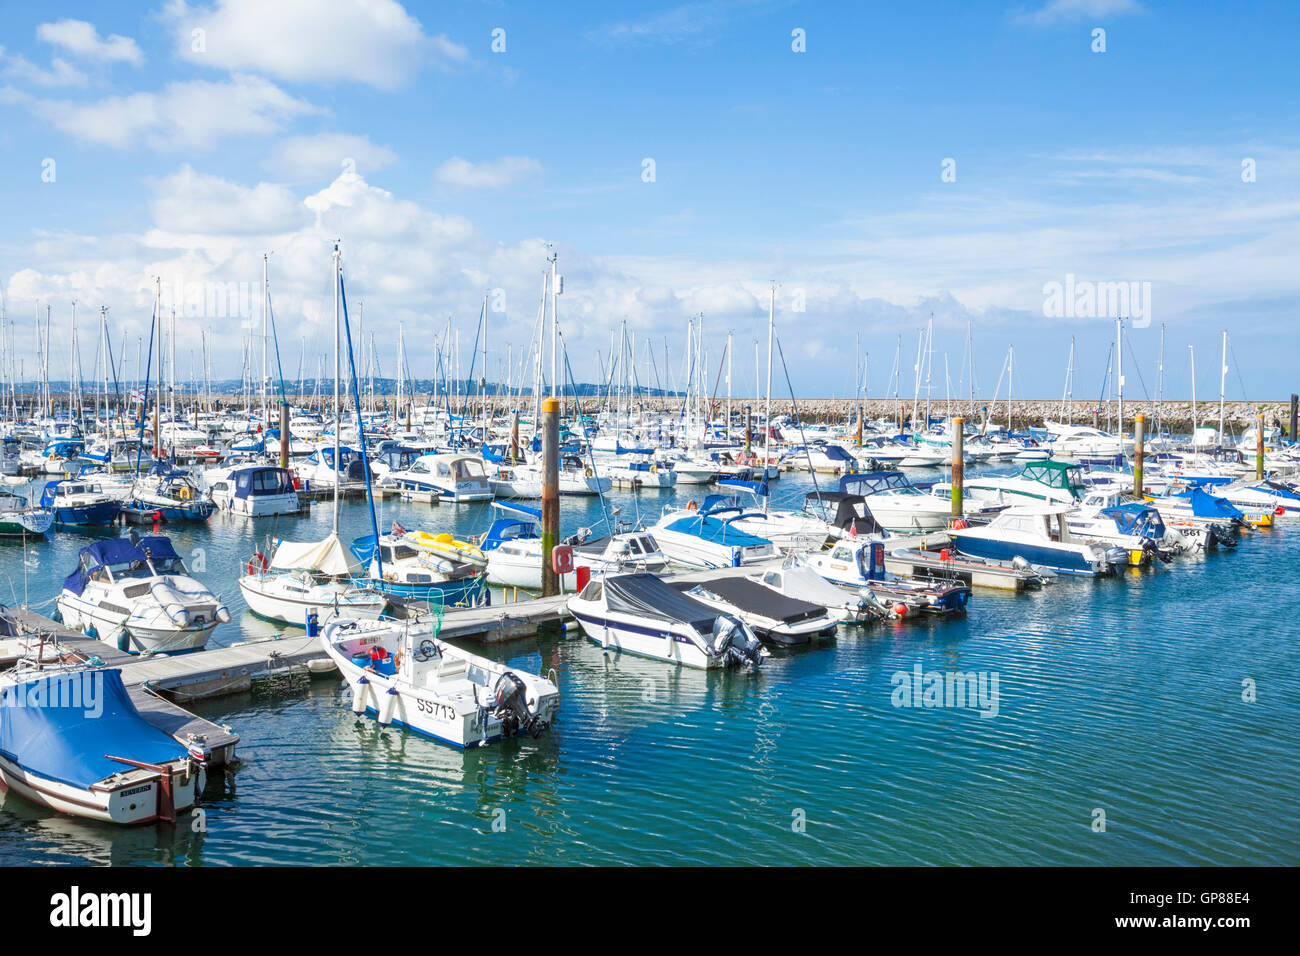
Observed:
{"x":1123,"y":695}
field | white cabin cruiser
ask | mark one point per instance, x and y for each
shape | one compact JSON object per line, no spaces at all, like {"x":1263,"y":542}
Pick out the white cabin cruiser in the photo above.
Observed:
{"x":641,"y":614}
{"x":254,"y":491}
{"x":401,"y":672}
{"x":452,"y":477}
{"x":1039,"y":535}
{"x":697,"y":540}
{"x":135,"y":594}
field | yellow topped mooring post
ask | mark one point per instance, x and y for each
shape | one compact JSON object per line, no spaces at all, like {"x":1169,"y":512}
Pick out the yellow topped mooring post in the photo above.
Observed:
{"x":550,"y":492}
{"x":958,"y":464}
{"x":284,"y":434}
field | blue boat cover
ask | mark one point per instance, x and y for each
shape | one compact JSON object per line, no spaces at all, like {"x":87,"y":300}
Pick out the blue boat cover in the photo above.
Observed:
{"x":1206,"y":505}
{"x":42,"y":733}
{"x":116,"y":551}
{"x":758,"y":488}
{"x":1136,"y":518}
{"x":711,"y":529}
{"x":363,"y":549}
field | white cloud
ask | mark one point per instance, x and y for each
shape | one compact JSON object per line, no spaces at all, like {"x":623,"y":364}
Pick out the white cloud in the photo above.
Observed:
{"x":301,"y":158}
{"x":61,"y":72}
{"x":1063,"y":11}
{"x":82,"y":39}
{"x":190,"y":202}
{"x":189,"y":115}
{"x":375,"y":42}
{"x":494,"y":174}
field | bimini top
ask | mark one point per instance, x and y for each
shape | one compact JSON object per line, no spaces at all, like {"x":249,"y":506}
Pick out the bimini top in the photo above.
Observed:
{"x":1054,"y":474}
{"x":711,"y":529}
{"x":873,"y":482}
{"x":115,"y":552}
{"x":1137,"y":518}
{"x":45,"y":735}
{"x":647,"y":596}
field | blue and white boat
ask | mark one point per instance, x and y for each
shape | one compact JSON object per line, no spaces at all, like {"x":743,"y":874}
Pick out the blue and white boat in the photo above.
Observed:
{"x":859,"y":563}
{"x":451,"y":477}
{"x":81,"y":503}
{"x":698,"y":540}
{"x":166,"y":495}
{"x":255,"y":491}
{"x":398,"y":568}
{"x":72,"y":739}
{"x":1039,"y":535}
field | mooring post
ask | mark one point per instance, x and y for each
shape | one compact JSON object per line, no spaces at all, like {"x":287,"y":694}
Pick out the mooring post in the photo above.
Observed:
{"x":284,"y":434}
{"x":958,"y":464}
{"x":859,"y":426}
{"x":1139,"y":451}
{"x":514,"y":438}
{"x":1259,"y":445}
{"x":550,"y":492}
{"x":749,"y":425}
{"x":1295,"y":406}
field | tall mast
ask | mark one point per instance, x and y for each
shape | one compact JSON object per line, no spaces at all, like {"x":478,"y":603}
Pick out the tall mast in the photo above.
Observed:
{"x":338,"y":415}
{"x":1192,"y":352}
{"x":1160,"y":381}
{"x":555,"y":326}
{"x":1223,"y":383}
{"x":1119,"y":372}
{"x":767,"y":413}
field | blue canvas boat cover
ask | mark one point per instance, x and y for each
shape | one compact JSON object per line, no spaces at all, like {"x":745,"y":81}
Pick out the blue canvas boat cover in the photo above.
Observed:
{"x":1206,"y":505}
{"x":711,"y":529}
{"x":1137,"y":518}
{"x":117,"y":551}
{"x":41,"y":730}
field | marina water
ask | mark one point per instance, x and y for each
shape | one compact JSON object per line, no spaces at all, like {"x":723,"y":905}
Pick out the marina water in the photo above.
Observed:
{"x":1121,"y":736}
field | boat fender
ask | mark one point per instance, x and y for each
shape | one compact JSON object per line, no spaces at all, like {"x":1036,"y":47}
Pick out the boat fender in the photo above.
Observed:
{"x":359,"y":692}
{"x":222,"y":614}
{"x":388,"y":707}
{"x":901,"y":610}
{"x":257,"y":564}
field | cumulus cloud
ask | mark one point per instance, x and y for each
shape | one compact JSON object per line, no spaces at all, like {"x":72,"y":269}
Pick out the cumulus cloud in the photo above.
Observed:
{"x":493,"y":174}
{"x":190,"y":202}
{"x":185,"y":115}
{"x":301,"y":158}
{"x":375,"y":42}
{"x":82,"y":39}
{"x":61,"y":73}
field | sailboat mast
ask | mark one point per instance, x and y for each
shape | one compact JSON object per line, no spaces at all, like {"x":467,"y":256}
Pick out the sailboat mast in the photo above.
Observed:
{"x":767,"y":413}
{"x":1223,"y":383}
{"x":338,"y":415}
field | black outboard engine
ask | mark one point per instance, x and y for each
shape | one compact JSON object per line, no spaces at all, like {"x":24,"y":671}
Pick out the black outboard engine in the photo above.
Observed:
{"x":512,"y":707}
{"x":735,"y":643}
{"x":1153,"y":548}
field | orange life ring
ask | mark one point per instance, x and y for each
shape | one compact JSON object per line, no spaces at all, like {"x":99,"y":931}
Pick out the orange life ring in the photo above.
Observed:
{"x":691,"y":505}
{"x":257,"y":561}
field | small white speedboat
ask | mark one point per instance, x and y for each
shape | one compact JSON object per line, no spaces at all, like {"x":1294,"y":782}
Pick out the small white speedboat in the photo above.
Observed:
{"x":400,"y":672}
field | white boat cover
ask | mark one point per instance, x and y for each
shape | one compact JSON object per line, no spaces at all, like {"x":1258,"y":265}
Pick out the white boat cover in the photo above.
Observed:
{"x":328,"y":556}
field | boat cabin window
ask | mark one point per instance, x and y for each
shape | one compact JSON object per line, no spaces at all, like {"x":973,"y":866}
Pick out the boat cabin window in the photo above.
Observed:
{"x":633,"y":546}
{"x":592,"y":591}
{"x":650,"y":545}
{"x":842,"y":553}
{"x":416,"y":578}
{"x":772,"y":579}
{"x":443,"y":469}
{"x":135,"y":590}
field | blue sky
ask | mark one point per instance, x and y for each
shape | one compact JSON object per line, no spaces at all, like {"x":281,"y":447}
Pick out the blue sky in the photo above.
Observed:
{"x":820,"y":170}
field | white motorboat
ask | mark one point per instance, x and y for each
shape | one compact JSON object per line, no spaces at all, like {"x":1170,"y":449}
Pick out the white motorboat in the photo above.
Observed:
{"x":403,"y":674}
{"x":641,"y":614}
{"x":255,"y":491}
{"x":452,"y":477}
{"x":1050,"y":482}
{"x":18,"y":519}
{"x":697,"y":540}
{"x":136,"y":594}
{"x":1039,"y":535}
{"x":794,"y":579}
{"x":775,"y":617}
{"x":896,"y":504}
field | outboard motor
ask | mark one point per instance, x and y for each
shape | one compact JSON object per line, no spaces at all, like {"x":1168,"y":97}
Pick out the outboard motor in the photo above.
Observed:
{"x":512,"y":707}
{"x":735,"y":642}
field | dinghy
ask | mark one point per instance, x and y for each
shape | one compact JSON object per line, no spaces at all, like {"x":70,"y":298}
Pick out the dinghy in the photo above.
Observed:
{"x":859,"y":563}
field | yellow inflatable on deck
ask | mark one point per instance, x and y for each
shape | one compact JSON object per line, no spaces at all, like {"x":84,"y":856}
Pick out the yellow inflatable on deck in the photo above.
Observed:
{"x":447,"y":546}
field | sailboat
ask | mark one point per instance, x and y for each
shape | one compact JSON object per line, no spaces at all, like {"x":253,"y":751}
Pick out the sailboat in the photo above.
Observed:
{"x":309,"y":576}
